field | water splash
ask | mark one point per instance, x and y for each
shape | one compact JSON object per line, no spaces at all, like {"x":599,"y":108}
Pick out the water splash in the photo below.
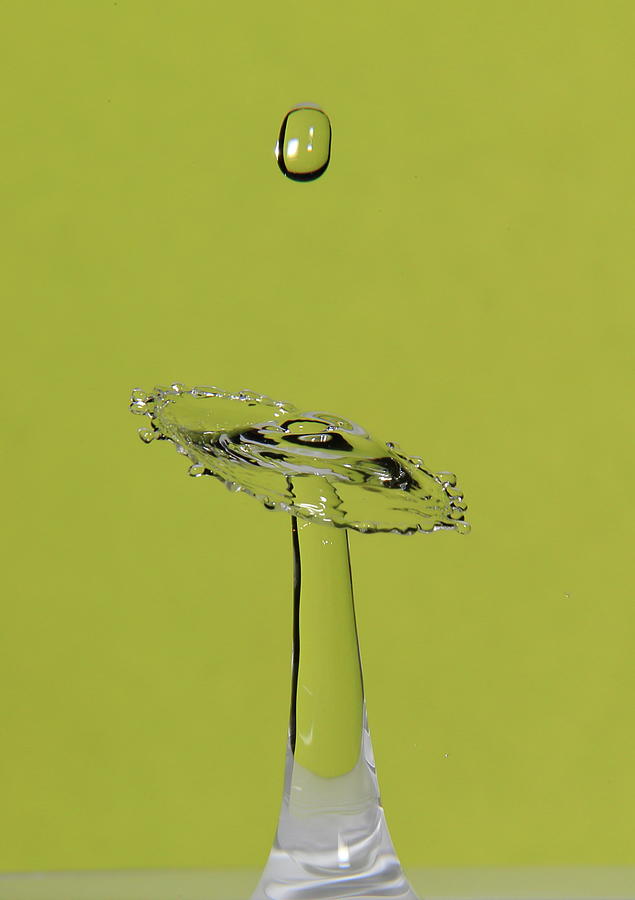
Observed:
{"x":313,"y":465}
{"x":332,"y":839}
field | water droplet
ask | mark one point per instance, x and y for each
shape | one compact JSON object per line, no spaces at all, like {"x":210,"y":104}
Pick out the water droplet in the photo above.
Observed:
{"x":196,"y":470}
{"x":303,"y":149}
{"x":147,"y":435}
{"x":140,"y":402}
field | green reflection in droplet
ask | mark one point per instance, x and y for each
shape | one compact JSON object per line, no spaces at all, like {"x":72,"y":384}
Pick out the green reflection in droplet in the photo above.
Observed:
{"x":303,"y":150}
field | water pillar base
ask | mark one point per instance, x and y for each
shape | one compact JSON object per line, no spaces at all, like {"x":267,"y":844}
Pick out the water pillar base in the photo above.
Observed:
{"x":332,"y":841}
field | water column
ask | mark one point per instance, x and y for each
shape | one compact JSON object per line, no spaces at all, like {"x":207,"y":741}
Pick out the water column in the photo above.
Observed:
{"x":332,"y":840}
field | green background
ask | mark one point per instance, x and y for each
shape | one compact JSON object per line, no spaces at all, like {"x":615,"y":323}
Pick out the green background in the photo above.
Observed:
{"x":460,"y":281}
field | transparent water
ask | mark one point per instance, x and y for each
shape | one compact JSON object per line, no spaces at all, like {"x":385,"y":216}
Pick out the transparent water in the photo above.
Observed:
{"x":303,"y":148}
{"x":332,"y":840}
{"x":311,"y":464}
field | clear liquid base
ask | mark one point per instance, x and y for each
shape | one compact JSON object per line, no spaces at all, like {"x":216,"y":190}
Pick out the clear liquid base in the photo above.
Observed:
{"x":332,"y":840}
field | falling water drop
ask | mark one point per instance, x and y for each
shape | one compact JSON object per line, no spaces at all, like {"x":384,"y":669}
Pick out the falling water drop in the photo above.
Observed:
{"x":303,"y":149}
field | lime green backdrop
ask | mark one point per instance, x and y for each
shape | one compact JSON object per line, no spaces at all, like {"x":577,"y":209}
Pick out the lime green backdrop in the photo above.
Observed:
{"x":460,"y":281}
